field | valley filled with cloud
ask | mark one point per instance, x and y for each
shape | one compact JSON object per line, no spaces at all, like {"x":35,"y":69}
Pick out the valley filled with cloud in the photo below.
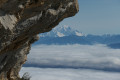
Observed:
{"x":73,"y":62}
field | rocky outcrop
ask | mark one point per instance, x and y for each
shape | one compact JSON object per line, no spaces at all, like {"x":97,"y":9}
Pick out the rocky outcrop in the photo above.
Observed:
{"x":20,"y":22}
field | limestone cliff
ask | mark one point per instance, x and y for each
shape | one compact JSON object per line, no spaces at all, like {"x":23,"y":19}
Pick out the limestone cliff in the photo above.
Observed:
{"x":20,"y":22}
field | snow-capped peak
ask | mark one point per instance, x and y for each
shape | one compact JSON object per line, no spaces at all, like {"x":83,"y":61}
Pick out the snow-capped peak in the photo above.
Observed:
{"x":61,"y":32}
{"x":79,"y":34}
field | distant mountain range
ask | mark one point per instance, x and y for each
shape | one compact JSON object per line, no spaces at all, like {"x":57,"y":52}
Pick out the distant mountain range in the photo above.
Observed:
{"x":66,"y":35}
{"x":61,"y":32}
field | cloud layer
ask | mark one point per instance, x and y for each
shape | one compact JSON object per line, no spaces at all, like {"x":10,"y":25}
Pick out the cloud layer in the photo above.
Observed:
{"x":69,"y":74}
{"x":98,"y":57}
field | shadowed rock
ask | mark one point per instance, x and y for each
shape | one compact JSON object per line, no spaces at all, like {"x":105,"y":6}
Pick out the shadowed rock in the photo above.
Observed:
{"x":20,"y":22}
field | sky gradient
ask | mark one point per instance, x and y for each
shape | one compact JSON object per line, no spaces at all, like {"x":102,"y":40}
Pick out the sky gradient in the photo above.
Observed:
{"x":96,"y":17}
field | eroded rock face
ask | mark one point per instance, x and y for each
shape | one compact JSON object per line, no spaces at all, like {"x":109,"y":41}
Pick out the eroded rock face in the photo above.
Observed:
{"x":20,"y":22}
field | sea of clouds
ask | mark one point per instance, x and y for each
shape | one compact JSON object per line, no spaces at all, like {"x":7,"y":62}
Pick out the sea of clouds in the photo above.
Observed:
{"x":68,"y":74}
{"x":74,"y":56}
{"x":73,"y":62}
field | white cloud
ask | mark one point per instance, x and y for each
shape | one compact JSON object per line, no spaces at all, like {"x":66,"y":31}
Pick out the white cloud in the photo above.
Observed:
{"x":75,"y":56}
{"x":90,"y":61}
{"x":69,"y":74}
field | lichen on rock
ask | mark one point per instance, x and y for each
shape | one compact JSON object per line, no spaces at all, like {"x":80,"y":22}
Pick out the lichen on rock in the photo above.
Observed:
{"x":20,"y":22}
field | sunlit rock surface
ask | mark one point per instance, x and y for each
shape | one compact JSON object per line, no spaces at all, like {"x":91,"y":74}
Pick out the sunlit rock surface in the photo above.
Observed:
{"x":20,"y":22}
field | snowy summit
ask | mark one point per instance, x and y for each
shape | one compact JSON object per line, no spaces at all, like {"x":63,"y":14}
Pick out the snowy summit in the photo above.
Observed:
{"x":61,"y":32}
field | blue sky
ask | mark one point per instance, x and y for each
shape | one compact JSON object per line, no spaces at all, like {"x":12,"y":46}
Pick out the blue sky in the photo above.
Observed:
{"x":96,"y":17}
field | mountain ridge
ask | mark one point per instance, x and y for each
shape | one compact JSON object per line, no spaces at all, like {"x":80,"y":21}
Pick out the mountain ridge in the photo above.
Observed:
{"x":61,"y":32}
{"x":71,"y":36}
